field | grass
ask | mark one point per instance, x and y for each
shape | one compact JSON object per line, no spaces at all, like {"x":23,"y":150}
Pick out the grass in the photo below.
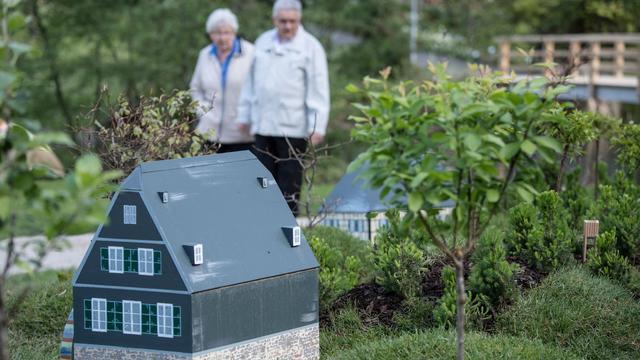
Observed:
{"x":440,"y":344}
{"x":347,"y":338}
{"x":589,"y":315}
{"x":36,"y":323}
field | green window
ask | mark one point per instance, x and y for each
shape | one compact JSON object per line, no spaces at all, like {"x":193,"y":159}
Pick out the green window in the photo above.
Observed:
{"x":87,"y":314}
{"x":149,"y":318}
{"x":176,"y":321}
{"x":114,"y":316}
{"x":130,"y":260}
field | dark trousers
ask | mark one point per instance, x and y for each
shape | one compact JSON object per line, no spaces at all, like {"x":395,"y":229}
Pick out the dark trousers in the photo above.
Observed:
{"x":224,"y":148}
{"x":277,"y":156}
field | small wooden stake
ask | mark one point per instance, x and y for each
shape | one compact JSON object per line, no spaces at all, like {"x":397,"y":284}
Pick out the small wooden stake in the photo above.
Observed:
{"x":591,"y":228}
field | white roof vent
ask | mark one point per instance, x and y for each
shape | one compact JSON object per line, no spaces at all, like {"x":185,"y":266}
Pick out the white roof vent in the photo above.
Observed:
{"x":164,"y":197}
{"x":195,"y":252}
{"x":293,"y":234}
{"x":264,"y":182}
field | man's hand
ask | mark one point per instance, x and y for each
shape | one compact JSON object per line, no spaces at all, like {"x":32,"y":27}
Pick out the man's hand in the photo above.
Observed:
{"x":244,"y":128}
{"x":316,"y":139}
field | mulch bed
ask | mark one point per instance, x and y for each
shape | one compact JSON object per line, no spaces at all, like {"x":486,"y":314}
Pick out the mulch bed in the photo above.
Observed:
{"x":378,"y":306}
{"x":374,"y":303}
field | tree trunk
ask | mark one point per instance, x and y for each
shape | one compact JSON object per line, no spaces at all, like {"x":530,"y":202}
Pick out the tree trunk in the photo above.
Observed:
{"x":596,"y":174}
{"x":4,"y":326}
{"x":459,"y":265}
{"x":563,"y":161}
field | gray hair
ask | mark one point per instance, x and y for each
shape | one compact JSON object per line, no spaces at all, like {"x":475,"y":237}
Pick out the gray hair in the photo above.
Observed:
{"x":221,"y":17}
{"x":286,"y":5}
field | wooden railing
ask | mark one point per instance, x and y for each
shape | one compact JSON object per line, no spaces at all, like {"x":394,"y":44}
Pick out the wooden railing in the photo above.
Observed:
{"x":590,"y":59}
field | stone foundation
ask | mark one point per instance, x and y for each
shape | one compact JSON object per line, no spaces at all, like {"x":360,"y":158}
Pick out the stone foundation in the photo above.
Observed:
{"x":301,"y":343}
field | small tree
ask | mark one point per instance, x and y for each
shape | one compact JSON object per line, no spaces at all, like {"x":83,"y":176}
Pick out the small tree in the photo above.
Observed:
{"x":446,"y":140}
{"x":33,"y":184}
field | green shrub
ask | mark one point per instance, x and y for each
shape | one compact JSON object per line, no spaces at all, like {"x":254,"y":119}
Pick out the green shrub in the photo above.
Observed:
{"x":576,"y":199}
{"x":491,"y":274}
{"x":604,"y":259}
{"x":540,"y":233}
{"x":589,"y":315}
{"x":445,"y":313}
{"x":338,"y":273}
{"x":400,"y":266}
{"x":440,"y":344}
{"x":524,"y":229}
{"x":346,"y":244}
{"x":617,"y":209}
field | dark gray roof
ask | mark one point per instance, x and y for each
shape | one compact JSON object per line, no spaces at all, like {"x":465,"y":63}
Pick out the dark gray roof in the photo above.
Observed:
{"x":353,"y":194}
{"x":216,"y":200}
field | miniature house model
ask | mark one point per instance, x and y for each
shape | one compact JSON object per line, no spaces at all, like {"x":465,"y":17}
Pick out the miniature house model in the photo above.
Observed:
{"x":355,"y":207}
{"x":201,"y":259}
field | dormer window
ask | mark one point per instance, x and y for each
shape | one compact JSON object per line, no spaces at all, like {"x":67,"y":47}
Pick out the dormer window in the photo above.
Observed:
{"x":129,"y":212}
{"x":197,"y":254}
{"x":292,"y":234}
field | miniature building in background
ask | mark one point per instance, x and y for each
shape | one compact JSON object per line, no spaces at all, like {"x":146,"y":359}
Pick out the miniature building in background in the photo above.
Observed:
{"x":355,"y":207}
{"x":198,"y":261}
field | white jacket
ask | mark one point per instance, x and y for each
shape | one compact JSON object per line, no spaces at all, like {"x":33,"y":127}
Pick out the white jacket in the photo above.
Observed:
{"x":218,"y":110}
{"x":287,"y":90}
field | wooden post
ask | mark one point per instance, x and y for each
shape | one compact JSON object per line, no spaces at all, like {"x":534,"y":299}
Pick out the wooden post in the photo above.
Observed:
{"x":505,"y":54}
{"x":574,"y":51}
{"x":595,"y":61}
{"x":619,"y":68}
{"x":591,"y":228}
{"x":549,"y":47}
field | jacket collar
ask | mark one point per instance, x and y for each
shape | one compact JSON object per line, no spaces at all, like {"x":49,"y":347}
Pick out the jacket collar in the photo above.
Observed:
{"x":296,"y":44}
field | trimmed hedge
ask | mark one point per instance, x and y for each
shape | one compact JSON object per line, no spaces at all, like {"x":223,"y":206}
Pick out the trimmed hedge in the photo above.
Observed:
{"x":440,"y":344}
{"x":589,"y":315}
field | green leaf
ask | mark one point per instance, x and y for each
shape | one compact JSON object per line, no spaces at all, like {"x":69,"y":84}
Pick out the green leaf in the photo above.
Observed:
{"x":493,"y":195}
{"x":352,"y":88}
{"x":472,"y":141}
{"x":549,"y":143}
{"x":418,"y":179}
{"x":509,"y":151}
{"x":493,"y":139}
{"x":415,"y":201}
{"x":528,"y":147}
{"x":6,"y":79}
{"x":524,"y":194}
{"x":47,"y":138}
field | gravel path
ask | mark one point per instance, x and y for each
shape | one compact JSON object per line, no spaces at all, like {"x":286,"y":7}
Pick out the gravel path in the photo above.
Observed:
{"x":68,"y":257}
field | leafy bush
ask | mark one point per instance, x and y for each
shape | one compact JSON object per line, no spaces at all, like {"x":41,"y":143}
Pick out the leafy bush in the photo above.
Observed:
{"x":440,"y":344}
{"x":445,"y":313}
{"x":338,"y":272}
{"x":576,"y":199}
{"x":491,"y":274}
{"x":400,"y":263}
{"x":589,"y":315}
{"x":604,"y":259}
{"x":617,"y":209}
{"x":346,"y":244}
{"x":155,"y":128}
{"x":345,"y":261}
{"x":540,"y":234}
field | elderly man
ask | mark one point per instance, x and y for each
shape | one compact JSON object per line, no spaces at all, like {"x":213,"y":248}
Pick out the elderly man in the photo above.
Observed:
{"x":285,"y":100}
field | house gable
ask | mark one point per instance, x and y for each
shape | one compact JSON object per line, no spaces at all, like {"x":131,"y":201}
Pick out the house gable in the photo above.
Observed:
{"x":129,"y":218}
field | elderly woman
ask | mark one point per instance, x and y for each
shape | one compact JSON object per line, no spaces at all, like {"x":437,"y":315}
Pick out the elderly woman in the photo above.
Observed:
{"x":217,"y":81}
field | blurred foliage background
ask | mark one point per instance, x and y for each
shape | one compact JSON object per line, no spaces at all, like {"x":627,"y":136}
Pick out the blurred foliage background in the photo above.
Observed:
{"x":149,"y":47}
